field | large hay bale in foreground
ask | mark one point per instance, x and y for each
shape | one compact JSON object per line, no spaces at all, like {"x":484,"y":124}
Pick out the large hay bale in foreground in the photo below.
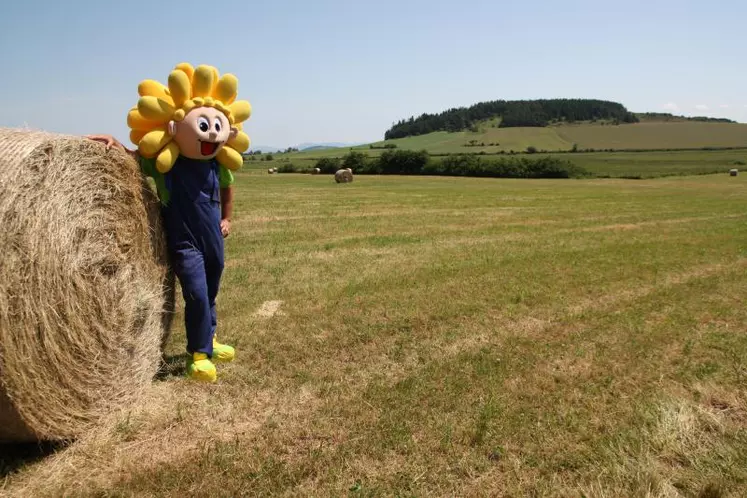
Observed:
{"x":82,"y":310}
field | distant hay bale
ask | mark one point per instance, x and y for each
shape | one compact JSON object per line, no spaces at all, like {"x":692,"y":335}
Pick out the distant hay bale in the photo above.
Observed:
{"x":83,"y":306}
{"x":271,"y":171}
{"x":733,"y":172}
{"x":316,"y":171}
{"x":344,"y":176}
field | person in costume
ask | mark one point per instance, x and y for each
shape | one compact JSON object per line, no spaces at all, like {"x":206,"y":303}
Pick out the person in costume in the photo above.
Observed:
{"x":189,"y":140}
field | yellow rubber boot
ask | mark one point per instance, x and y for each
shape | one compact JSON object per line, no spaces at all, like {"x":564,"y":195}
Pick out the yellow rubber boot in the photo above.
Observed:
{"x":222,"y":353}
{"x":200,"y":368}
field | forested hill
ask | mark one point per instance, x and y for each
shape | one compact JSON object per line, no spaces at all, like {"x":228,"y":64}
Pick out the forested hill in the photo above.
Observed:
{"x":513,"y":113}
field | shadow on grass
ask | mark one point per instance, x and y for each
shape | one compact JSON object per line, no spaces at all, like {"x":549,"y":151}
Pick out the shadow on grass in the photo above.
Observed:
{"x":15,"y":456}
{"x":172,"y":366}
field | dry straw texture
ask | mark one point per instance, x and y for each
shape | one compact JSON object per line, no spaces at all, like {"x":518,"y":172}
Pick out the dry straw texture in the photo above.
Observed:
{"x":344,"y":176}
{"x":82,"y":273}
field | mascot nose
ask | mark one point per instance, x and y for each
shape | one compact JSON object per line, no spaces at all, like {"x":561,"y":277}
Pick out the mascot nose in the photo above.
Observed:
{"x":213,"y":136}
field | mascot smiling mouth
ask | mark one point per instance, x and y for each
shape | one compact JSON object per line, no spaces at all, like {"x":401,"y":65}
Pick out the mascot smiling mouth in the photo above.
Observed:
{"x":196,"y":116}
{"x":208,"y":148}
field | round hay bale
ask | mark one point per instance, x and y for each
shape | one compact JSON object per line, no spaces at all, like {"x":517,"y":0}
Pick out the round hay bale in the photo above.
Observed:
{"x":83,"y":307}
{"x":343,"y":176}
{"x":271,"y":171}
{"x":316,"y":171}
{"x":733,"y":172}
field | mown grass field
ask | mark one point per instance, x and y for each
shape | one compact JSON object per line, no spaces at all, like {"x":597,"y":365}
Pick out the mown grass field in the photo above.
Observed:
{"x":452,"y":337}
{"x":656,"y":135}
{"x":656,"y":164}
{"x":505,"y":139}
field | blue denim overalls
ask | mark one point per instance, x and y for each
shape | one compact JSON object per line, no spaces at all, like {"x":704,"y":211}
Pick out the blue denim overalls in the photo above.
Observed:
{"x":192,"y":223}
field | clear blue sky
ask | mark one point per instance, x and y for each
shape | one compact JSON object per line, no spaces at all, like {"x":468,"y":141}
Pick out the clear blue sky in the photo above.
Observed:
{"x":344,"y":70}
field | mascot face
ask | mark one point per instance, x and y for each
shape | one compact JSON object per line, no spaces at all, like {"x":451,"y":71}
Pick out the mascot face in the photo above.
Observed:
{"x":196,"y":116}
{"x":202,"y":133}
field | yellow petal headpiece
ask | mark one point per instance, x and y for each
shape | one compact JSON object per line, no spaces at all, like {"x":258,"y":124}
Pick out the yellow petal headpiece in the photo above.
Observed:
{"x":188,"y":88}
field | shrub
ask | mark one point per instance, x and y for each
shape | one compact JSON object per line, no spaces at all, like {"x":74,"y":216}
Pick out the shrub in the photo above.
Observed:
{"x":403,"y":162}
{"x":531,"y":149}
{"x":355,"y":161}
{"x":287,"y":168}
{"x":505,"y":167}
{"x":408,"y":162}
{"x":328,"y":165}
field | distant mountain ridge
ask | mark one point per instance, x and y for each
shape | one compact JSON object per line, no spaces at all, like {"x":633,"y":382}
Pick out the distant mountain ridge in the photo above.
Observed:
{"x":317,"y":147}
{"x":264,"y":148}
{"x":325,"y":145}
{"x":304,"y":146}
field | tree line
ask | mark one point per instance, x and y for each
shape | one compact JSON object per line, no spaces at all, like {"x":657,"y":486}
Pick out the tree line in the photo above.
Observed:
{"x":410,"y":162}
{"x":513,"y":113}
{"x":666,"y":116}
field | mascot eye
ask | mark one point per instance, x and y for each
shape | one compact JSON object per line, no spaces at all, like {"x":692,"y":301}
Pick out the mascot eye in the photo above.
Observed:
{"x":204,"y":124}
{"x":217,"y":125}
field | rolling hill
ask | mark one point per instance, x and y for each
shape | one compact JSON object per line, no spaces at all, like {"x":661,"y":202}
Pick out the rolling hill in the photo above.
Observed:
{"x":641,"y":150}
{"x":648,"y":135}
{"x":558,"y":125}
{"x":653,"y":144}
{"x":513,"y":114}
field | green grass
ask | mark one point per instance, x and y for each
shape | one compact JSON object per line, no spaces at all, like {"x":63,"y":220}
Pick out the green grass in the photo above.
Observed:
{"x":655,"y":164}
{"x":645,"y":164}
{"x":645,"y":136}
{"x":517,"y":139}
{"x":459,"y":337}
{"x":653,"y":135}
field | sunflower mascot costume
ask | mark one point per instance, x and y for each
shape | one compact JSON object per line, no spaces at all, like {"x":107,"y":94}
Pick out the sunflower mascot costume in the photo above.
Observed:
{"x":189,"y":138}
